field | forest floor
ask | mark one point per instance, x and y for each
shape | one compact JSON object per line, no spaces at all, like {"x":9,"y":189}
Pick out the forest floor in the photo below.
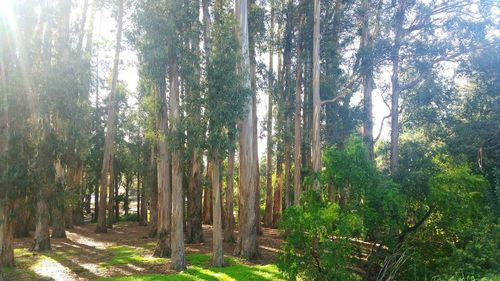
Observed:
{"x":125,"y":253}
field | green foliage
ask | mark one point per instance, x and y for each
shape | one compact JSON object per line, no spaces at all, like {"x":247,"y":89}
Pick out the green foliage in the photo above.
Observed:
{"x":317,"y":245}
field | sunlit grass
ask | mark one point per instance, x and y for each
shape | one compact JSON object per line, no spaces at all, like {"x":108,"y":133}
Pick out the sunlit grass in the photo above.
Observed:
{"x":199,"y":269}
{"x":127,"y":255}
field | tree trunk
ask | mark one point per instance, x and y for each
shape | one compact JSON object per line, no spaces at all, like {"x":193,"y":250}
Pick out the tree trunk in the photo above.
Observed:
{"x":268,"y":216}
{"x":194,"y":215}
{"x":111,"y":192}
{"x":316,"y":141}
{"x":143,"y":221}
{"x":111,"y":124}
{"x":230,"y":221}
{"x":298,"y":106}
{"x":58,"y":227}
{"x":42,"y":238}
{"x":177,"y":233}
{"x":153,"y":205}
{"x":7,"y":224}
{"x":367,"y":77}
{"x":207,"y":196}
{"x":164,"y":180}
{"x":126,"y":200}
{"x":247,"y":246}
{"x":218,"y":249}
{"x":277,"y":192}
{"x":398,"y":25}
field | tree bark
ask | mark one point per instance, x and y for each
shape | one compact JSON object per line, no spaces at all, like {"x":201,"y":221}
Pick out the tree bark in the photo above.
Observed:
{"x":230,"y":221}
{"x":218,"y":249}
{"x":398,"y":36}
{"x":163,"y":248}
{"x":111,"y":124}
{"x":316,"y":141}
{"x":42,"y":238}
{"x":7,"y":224}
{"x":367,"y":77}
{"x":277,"y":206}
{"x":111,"y":192}
{"x":268,"y":215}
{"x":153,"y":206}
{"x":297,"y":116}
{"x":58,"y":227}
{"x":177,"y":233}
{"x":207,"y":196}
{"x":247,"y":245}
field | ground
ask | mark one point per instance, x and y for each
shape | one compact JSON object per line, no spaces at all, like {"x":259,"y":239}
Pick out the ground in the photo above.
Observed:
{"x":125,"y":253}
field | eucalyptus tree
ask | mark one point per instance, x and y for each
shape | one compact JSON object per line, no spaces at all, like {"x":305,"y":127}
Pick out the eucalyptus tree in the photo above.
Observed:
{"x":110,"y":126}
{"x":224,"y":101}
{"x":247,"y":245}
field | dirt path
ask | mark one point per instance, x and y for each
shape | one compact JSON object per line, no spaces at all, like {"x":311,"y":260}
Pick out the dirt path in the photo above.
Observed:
{"x":124,"y":250}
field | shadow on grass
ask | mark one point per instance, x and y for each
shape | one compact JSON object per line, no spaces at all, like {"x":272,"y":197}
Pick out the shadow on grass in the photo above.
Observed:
{"x":199,"y":270}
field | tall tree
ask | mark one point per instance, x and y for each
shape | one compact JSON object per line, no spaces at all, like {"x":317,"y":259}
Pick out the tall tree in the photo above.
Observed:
{"x":111,"y":124}
{"x":268,"y":216}
{"x":316,"y":142}
{"x":247,"y":245}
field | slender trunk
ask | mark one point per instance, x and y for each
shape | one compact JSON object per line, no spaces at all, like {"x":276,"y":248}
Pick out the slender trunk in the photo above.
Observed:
{"x":111,"y":199}
{"x":207,"y":196}
{"x":247,"y":246}
{"x":218,"y":249}
{"x":298,"y":106}
{"x":230,"y":221}
{"x":116,"y":216}
{"x":316,"y":141}
{"x":153,"y":205}
{"x":138,"y":211}
{"x":268,"y":216}
{"x":177,"y":233}
{"x":111,"y":124}
{"x":367,"y":77}
{"x":143,"y":221}
{"x":58,"y":227}
{"x":398,"y":25}
{"x":126,"y":200}
{"x":277,"y":192}
{"x":163,"y":171}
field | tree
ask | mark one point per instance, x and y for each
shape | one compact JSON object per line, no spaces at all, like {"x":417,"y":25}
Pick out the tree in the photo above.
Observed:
{"x":316,"y":142}
{"x":111,"y":124}
{"x":247,"y":246}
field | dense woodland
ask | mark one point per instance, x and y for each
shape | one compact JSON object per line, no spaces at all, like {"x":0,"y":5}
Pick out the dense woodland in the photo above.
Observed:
{"x":182,"y":150}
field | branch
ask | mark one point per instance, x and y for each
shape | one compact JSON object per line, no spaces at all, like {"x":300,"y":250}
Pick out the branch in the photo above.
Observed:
{"x":381,"y":127}
{"x":422,"y":76}
{"x":344,"y":91}
{"x":416,"y":226}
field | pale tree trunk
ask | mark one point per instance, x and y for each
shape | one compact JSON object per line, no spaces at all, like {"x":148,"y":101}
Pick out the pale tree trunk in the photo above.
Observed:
{"x":177,"y":232}
{"x":111,"y":193}
{"x":110,"y":126}
{"x":286,"y":93}
{"x":277,"y":206}
{"x":163,"y":248}
{"x":247,"y":246}
{"x":297,"y":116}
{"x":230,"y":221}
{"x":58,"y":228}
{"x":153,"y":206}
{"x":367,"y":77}
{"x":218,"y":249}
{"x":398,"y":36}
{"x":316,"y":141}
{"x":268,"y":216}
{"x":253,"y":69}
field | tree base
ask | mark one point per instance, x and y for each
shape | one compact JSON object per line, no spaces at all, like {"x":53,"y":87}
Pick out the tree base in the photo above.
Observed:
{"x":162,"y":251}
{"x":41,"y":245}
{"x":101,"y":229}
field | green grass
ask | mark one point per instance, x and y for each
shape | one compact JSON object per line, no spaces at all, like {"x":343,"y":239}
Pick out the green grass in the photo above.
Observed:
{"x":126,"y":255}
{"x":198,"y":270}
